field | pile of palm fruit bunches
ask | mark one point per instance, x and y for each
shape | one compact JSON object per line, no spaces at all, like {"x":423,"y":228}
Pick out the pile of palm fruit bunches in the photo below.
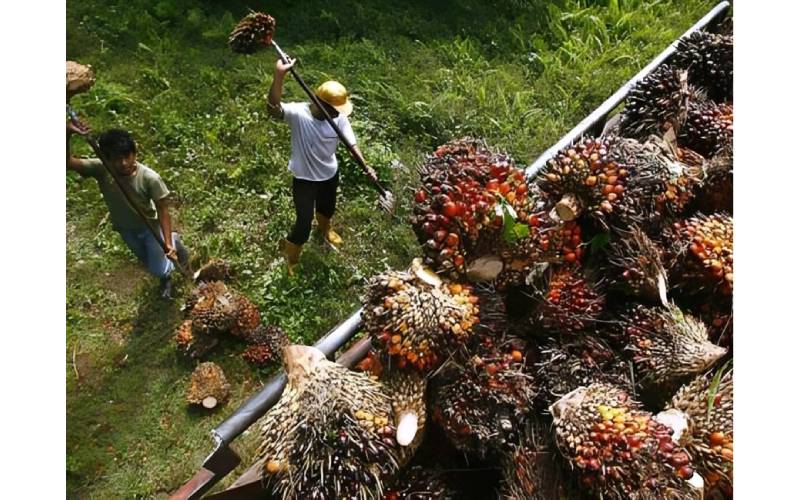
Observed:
{"x":565,"y":335}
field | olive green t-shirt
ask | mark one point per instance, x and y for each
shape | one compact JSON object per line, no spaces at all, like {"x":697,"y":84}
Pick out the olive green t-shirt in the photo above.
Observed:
{"x":145,"y":186}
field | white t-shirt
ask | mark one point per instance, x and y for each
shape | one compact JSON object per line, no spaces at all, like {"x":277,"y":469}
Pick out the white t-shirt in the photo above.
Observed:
{"x":314,"y":142}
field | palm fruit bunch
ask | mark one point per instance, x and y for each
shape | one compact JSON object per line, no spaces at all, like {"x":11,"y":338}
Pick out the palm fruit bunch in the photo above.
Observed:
{"x":705,"y":409}
{"x":191,"y":343}
{"x":407,"y":395}
{"x":80,"y":78}
{"x":718,"y":318}
{"x":417,"y":318}
{"x":709,"y":59}
{"x":213,"y":270}
{"x":699,"y":255}
{"x":474,"y":203}
{"x":247,"y":316}
{"x":659,"y":100}
{"x":660,"y":184}
{"x":708,"y":128}
{"x":531,"y":471}
{"x":265,"y":344}
{"x":481,"y":397}
{"x":606,"y":179}
{"x":212,"y":307}
{"x":208,"y":386}
{"x":417,"y":482}
{"x":618,"y":450}
{"x":564,"y":365}
{"x":568,"y":300}
{"x":252,"y":33}
{"x":666,"y":346}
{"x":716,"y":192}
{"x":330,"y":435}
{"x":635,"y":268}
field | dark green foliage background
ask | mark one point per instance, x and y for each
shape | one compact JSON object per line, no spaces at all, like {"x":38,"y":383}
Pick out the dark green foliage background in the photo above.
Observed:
{"x":519,"y":74}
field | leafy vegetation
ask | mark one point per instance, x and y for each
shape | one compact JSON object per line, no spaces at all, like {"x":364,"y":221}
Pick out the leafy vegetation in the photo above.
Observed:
{"x":519,"y":74}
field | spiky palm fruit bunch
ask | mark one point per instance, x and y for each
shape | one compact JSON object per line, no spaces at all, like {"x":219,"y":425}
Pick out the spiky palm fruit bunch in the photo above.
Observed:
{"x":568,"y":300}
{"x":247,"y":316}
{"x":661,"y":183}
{"x":708,"y":128}
{"x":531,"y":470}
{"x":659,"y":99}
{"x":613,"y":181}
{"x":212,"y":307}
{"x":481,"y":397}
{"x":474,"y":204}
{"x":80,"y":78}
{"x":706,"y":405}
{"x":565,"y":365}
{"x":208,"y":386}
{"x":330,"y":435}
{"x":191,"y":343}
{"x":213,"y":270}
{"x":718,"y":318}
{"x":407,"y":395}
{"x":716,"y":192}
{"x":416,"y":318}
{"x":618,"y":450}
{"x":666,"y":346}
{"x":709,"y":59}
{"x":635,"y":267}
{"x":699,"y":255}
{"x":417,"y":482}
{"x":265,"y":345}
{"x":253,"y":33}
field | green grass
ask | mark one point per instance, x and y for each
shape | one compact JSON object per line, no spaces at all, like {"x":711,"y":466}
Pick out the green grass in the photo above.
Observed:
{"x":519,"y":74}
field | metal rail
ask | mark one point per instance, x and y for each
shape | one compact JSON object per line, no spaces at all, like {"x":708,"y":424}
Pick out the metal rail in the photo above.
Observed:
{"x":598,"y":116}
{"x":223,"y":459}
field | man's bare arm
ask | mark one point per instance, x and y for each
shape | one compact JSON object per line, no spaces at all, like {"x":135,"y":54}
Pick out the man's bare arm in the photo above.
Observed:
{"x":276,"y":89}
{"x":162,"y":208}
{"x":75,"y":164}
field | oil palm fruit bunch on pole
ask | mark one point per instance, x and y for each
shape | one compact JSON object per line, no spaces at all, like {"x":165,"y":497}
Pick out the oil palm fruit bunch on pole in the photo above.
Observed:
{"x":617,"y":450}
{"x":566,"y":364}
{"x":635,"y":268}
{"x":416,"y":318}
{"x":266,"y":342}
{"x":568,"y":300}
{"x":330,"y":435}
{"x":708,"y":128}
{"x":532,"y":470}
{"x":80,"y":78}
{"x":666,"y":346}
{"x":252,"y":34}
{"x":659,"y":101}
{"x":483,"y":395}
{"x":709,"y":59}
{"x":702,"y":414}
{"x":193,"y":344}
{"x":474,"y":215}
{"x":699,"y":255}
{"x":208,"y":386}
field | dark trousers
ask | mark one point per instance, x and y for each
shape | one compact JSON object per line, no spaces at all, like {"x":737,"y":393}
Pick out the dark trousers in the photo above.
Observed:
{"x":307,"y":194}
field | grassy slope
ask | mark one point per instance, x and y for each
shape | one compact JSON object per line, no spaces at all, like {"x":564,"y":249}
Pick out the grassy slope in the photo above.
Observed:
{"x":421,"y":73}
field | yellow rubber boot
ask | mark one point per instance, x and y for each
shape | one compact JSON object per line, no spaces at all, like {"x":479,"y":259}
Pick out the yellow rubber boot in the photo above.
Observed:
{"x":329,"y":234}
{"x":291,"y":253}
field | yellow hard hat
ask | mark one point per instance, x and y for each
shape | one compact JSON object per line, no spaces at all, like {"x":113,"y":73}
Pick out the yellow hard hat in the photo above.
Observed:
{"x":335,"y":94}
